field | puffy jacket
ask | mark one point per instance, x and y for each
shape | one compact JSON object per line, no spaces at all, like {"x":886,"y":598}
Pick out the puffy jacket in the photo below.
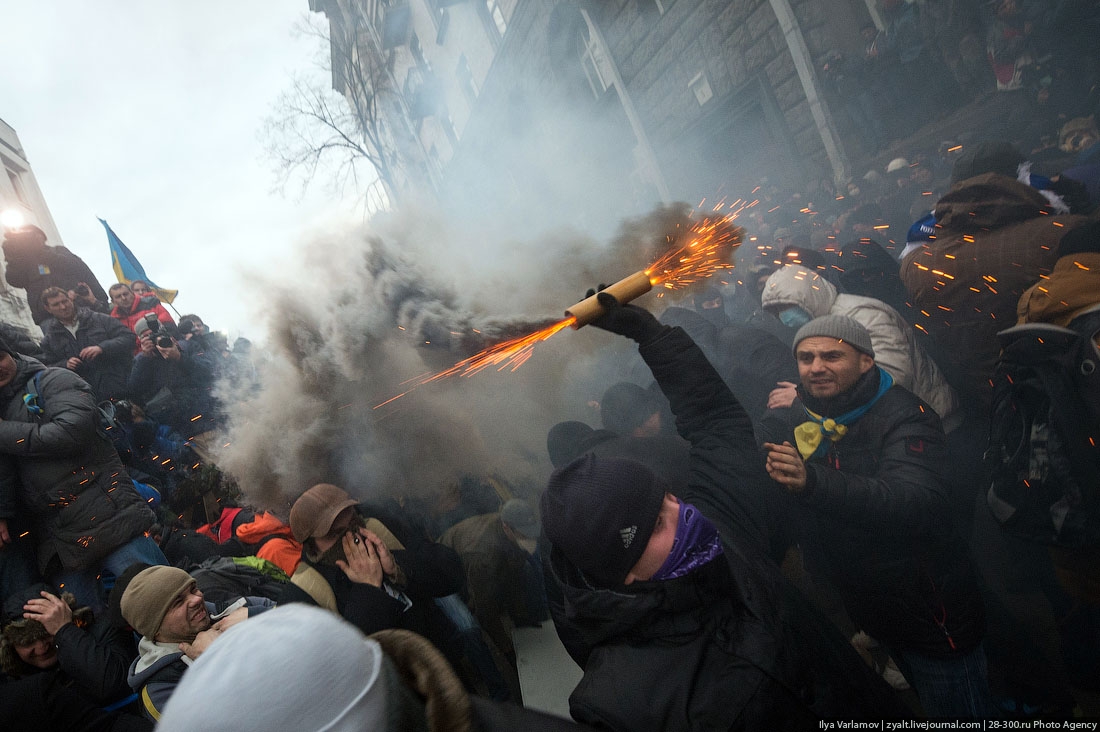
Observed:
{"x":106,"y":374}
{"x":731,"y":645}
{"x":895,"y":343}
{"x":880,"y":509}
{"x":72,"y":482}
{"x":995,"y":238}
{"x":177,"y":393}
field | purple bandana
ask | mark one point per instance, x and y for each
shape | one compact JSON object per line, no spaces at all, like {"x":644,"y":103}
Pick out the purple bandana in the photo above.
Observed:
{"x":696,"y":543}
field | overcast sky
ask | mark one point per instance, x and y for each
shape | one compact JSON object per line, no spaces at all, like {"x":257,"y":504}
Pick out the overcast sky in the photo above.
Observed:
{"x":148,"y":114}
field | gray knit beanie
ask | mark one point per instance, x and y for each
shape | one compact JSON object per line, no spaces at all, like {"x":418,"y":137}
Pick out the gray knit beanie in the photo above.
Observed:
{"x":842,"y":328}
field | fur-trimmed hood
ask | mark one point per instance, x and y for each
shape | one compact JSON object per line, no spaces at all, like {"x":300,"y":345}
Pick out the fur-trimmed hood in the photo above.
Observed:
{"x":19,"y":631}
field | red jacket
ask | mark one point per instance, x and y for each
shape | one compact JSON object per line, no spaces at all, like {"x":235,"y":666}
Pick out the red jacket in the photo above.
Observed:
{"x":147,"y":304}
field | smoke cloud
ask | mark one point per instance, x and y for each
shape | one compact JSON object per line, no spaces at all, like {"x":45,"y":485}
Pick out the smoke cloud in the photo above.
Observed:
{"x":369,"y":310}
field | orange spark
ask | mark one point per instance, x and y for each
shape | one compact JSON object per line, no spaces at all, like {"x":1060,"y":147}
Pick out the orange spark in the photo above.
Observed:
{"x":705,"y":253}
{"x":513,"y":353}
{"x":708,"y":245}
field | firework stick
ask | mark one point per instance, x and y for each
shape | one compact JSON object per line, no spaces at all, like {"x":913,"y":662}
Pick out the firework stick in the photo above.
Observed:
{"x":624,"y":291}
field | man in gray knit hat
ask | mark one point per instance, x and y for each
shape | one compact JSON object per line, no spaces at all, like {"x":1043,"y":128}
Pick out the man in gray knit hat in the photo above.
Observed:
{"x":863,"y":462}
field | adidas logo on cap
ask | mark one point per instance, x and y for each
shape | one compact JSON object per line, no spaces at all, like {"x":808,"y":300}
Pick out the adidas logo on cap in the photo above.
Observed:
{"x":628,"y":535}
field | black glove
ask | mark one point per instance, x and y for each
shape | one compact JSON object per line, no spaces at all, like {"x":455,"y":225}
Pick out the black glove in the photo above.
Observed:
{"x":627,"y":320}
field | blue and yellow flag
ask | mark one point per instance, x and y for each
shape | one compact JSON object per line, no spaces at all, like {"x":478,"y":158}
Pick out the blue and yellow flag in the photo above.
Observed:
{"x":128,"y":269}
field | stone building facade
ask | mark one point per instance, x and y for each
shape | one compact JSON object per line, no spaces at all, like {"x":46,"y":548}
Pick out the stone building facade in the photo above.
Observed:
{"x":599,"y":108}
{"x":19,"y":192}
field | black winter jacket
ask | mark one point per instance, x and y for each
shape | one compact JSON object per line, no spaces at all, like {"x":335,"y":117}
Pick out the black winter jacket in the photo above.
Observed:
{"x":731,"y":645}
{"x":878,"y":509}
{"x":176,"y":393}
{"x":72,"y":483}
{"x":35,"y":267}
{"x":97,"y":659}
{"x":107,"y":374}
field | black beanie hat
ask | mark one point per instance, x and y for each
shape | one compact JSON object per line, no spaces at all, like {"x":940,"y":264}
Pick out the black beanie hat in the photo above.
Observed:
{"x":987,"y":157}
{"x":625,"y":407}
{"x":1083,"y":239}
{"x":563,"y":442}
{"x":5,"y":347}
{"x":600,"y":513}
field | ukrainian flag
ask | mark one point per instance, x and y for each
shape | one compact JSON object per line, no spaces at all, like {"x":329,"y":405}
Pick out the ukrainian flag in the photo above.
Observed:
{"x":128,"y":269}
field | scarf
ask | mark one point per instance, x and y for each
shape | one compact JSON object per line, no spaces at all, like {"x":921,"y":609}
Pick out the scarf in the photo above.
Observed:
{"x":696,"y":543}
{"x":810,"y":436}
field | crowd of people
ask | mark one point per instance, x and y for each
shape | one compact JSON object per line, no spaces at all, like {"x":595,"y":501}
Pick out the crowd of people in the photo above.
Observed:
{"x":932,"y":57}
{"x":785,"y":519}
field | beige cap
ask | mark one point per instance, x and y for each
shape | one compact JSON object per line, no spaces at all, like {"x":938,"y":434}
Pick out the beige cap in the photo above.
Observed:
{"x":315,"y":510}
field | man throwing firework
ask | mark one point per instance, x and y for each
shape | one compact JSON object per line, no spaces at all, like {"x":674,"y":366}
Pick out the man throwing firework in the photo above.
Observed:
{"x":671,"y":605}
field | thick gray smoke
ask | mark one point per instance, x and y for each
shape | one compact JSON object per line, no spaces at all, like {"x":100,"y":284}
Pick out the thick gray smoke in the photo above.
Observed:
{"x":363,"y":314}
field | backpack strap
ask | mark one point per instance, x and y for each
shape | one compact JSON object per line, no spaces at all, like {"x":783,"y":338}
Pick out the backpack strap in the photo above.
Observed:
{"x":31,"y":397}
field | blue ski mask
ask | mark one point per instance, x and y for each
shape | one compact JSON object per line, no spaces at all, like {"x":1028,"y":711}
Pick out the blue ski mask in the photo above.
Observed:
{"x":795,"y":317}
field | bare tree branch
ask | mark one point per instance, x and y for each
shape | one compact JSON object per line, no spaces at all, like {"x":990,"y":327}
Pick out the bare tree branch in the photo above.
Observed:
{"x":313,"y":130}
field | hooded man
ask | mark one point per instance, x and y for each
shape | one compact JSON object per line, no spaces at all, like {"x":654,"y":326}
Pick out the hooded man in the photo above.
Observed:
{"x":864,"y":464}
{"x":798,"y":295}
{"x":85,"y":516}
{"x":166,"y":608}
{"x":45,"y":631}
{"x":671,"y":606}
{"x":996,"y":237}
{"x":367,"y":574}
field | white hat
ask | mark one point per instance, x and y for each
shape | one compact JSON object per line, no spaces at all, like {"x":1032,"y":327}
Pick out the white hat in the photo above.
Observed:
{"x":897,"y":164}
{"x":296,"y":667}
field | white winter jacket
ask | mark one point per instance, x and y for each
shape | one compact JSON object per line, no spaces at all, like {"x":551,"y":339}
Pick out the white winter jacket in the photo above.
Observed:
{"x":895,"y":344}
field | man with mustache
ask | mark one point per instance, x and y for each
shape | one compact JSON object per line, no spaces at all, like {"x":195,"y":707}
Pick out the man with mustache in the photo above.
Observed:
{"x":865,"y":468}
{"x":165,"y":606}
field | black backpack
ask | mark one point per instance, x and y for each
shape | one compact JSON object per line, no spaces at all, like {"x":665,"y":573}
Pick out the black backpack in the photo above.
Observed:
{"x":1044,"y":446}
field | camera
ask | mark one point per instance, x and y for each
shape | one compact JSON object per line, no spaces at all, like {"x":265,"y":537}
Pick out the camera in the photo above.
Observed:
{"x":83,"y":290}
{"x":152,"y":322}
{"x":164,"y":340}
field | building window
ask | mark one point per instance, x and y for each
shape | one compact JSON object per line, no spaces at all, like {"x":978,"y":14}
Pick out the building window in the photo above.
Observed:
{"x":442,"y":22}
{"x":448,"y":125}
{"x":700,"y":87}
{"x":466,"y":79}
{"x":493,"y":6}
{"x":595,"y":64}
{"x":17,"y":185}
{"x":418,"y":53}
{"x":437,"y":162}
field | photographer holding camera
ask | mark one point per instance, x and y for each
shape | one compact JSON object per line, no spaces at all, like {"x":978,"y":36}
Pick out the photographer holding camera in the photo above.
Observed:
{"x":130,"y":309}
{"x":172,"y":380}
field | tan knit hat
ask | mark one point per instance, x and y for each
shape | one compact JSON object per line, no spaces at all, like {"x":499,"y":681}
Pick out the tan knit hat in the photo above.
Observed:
{"x":315,"y":510}
{"x":149,"y":595}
